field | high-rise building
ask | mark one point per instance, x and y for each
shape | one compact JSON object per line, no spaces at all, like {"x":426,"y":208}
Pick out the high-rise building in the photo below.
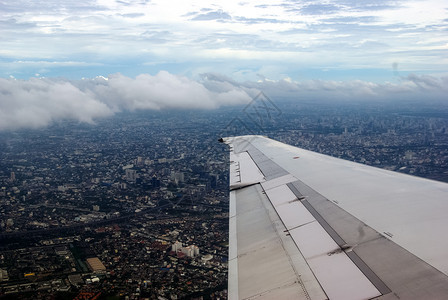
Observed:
{"x":140,"y":160}
{"x":190,"y":251}
{"x":4,"y":275}
{"x":195,"y":250}
{"x":131,"y":175}
{"x":155,"y":182}
{"x":178,"y":177}
{"x":176,"y":246}
{"x":13,"y":176}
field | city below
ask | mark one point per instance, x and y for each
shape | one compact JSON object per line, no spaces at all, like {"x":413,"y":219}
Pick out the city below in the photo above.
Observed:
{"x":136,"y":206}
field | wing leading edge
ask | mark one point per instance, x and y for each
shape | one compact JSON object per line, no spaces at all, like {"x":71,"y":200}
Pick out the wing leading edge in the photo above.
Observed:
{"x":308,"y":226}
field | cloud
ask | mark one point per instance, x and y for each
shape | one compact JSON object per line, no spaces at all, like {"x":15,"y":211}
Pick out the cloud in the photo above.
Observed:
{"x":13,"y":24}
{"x":162,"y":91}
{"x":319,"y":9}
{"x":120,"y":36}
{"x":313,"y":7}
{"x":132,"y":15}
{"x":414,"y":87}
{"x":260,"y":20}
{"x":38,"y":102}
{"x":351,"y":20}
{"x":157,"y":37}
{"x":213,"y":15}
{"x":51,"y":6}
{"x":372,"y":5}
{"x":428,"y":82}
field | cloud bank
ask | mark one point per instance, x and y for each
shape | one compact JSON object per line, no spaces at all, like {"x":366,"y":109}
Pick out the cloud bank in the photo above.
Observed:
{"x":38,"y":102}
{"x":412,"y":88}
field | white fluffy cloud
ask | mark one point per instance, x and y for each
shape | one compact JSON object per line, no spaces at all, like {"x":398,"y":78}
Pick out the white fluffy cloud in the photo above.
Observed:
{"x":38,"y":102}
{"x":162,"y":91}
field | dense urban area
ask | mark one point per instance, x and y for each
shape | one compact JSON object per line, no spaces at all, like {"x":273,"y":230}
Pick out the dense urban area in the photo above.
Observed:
{"x":135,"y":206}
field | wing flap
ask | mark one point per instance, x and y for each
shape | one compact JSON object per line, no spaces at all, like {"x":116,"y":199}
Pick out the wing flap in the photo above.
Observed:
{"x":266,"y":260}
{"x":339,"y":277}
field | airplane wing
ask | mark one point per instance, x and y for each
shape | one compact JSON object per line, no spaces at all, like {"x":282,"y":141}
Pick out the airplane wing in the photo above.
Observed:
{"x":309,"y":226}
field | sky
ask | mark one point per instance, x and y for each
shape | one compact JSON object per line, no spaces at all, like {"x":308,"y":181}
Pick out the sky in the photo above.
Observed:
{"x":89,"y":59}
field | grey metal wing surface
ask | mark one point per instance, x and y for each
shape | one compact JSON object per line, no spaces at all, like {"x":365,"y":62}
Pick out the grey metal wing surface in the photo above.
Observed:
{"x":303,"y":225}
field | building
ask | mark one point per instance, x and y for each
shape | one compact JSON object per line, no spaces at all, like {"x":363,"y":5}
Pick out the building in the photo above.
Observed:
{"x":140,"y":161}
{"x":155,"y":183}
{"x":96,"y":265}
{"x":61,"y":250}
{"x":176,"y":246}
{"x":195,"y":250}
{"x":75,"y":279}
{"x":131,"y":175}
{"x":190,"y":251}
{"x":206,"y":258}
{"x":3,"y":275}
{"x":178,"y":177}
